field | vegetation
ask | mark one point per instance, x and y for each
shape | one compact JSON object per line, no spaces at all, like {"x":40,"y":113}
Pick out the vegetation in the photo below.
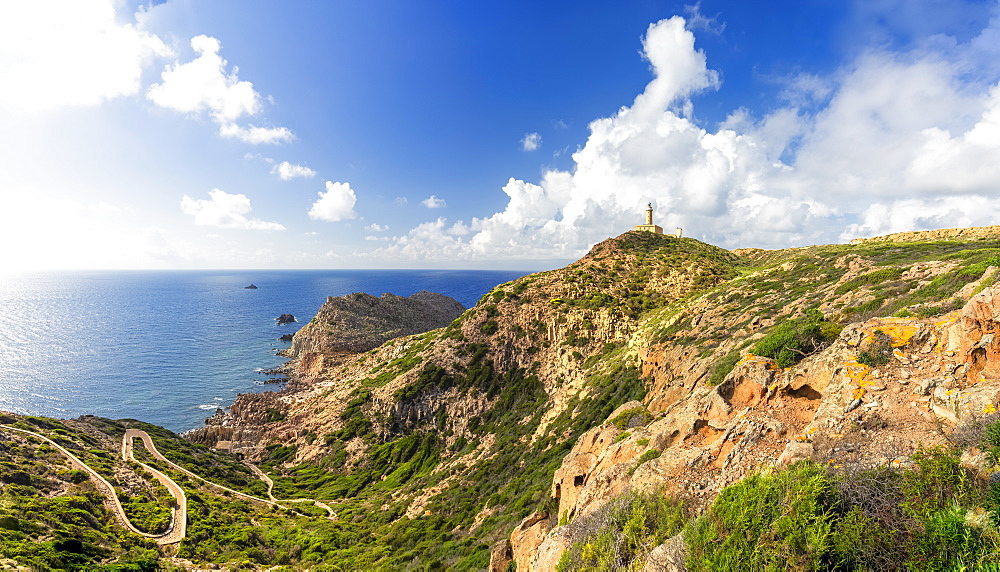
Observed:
{"x":420,"y":484}
{"x":621,"y":534}
{"x":794,"y":339}
{"x":934,"y":516}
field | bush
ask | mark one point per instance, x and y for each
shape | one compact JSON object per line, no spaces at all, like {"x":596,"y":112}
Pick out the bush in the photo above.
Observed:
{"x":620,"y":535}
{"x":722,"y":367}
{"x":879,"y":352}
{"x":793,"y":340}
{"x":776,"y":521}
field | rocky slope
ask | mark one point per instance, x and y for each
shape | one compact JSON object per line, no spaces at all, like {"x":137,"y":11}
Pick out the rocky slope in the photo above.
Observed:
{"x":651,"y":363}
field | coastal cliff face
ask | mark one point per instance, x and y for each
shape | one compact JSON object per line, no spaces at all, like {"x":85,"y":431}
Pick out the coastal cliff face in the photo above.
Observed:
{"x":360,"y":322}
{"x":343,"y":326}
{"x":653,"y":364}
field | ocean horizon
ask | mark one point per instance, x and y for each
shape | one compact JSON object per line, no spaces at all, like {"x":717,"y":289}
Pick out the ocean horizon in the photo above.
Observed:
{"x":171,"y":346}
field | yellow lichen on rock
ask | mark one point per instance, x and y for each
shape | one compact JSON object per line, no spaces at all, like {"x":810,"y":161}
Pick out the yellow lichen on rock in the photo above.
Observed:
{"x":900,"y":330}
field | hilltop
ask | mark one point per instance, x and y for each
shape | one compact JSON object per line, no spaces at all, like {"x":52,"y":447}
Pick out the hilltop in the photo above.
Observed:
{"x":654,"y":376}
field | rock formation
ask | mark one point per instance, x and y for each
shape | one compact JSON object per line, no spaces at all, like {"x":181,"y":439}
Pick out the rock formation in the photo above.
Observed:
{"x":360,"y":322}
{"x":634,"y":369}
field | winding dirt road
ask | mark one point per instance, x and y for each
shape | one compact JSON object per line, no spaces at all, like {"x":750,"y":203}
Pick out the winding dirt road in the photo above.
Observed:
{"x":131,"y":434}
{"x":178,"y":521}
{"x":270,"y":488}
{"x":173,"y":535}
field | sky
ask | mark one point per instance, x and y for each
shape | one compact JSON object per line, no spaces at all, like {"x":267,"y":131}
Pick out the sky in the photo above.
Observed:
{"x":185,"y":134}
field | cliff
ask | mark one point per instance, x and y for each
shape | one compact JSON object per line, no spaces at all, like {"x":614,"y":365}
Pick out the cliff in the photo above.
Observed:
{"x":360,"y":322}
{"x":660,"y":404}
{"x":342,"y":327}
{"x":634,"y":369}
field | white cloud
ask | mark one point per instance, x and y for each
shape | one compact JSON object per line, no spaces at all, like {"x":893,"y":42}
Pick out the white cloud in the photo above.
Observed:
{"x":103,"y":207}
{"x":531,"y":142}
{"x":401,"y":201}
{"x":287,"y":171}
{"x":70,"y":53}
{"x":205,"y":85}
{"x":892,"y":141}
{"x":336,"y":204}
{"x":698,"y":21}
{"x":224,"y":210}
{"x":256,"y":135}
{"x":924,"y":214}
{"x":433,"y":202}
{"x":375,"y":227}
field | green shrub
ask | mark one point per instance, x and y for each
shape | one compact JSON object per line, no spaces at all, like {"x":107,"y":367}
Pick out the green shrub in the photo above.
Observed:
{"x":792,"y":340}
{"x":620,"y":535}
{"x":873,"y":277}
{"x":722,"y":367}
{"x":635,"y":417}
{"x":777,"y":521}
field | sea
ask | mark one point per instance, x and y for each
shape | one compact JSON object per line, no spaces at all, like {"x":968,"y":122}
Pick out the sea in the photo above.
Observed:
{"x":170,"y":347}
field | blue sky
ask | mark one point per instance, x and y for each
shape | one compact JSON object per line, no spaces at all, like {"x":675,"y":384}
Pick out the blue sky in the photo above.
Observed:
{"x":253,"y":134}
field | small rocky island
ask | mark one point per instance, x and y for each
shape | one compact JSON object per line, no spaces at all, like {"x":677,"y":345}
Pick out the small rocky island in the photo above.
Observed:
{"x":285,"y":319}
{"x":250,"y":287}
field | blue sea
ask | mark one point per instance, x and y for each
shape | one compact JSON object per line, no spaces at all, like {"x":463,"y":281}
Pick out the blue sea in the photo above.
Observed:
{"x":169,"y":347}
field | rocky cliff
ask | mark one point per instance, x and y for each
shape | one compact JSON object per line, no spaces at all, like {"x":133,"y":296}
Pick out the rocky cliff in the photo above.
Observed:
{"x":360,"y":322}
{"x":652,"y":364}
{"x":343,"y":326}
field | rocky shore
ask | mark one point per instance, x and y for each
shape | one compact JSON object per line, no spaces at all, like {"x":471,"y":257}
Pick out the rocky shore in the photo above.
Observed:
{"x":343,"y":326}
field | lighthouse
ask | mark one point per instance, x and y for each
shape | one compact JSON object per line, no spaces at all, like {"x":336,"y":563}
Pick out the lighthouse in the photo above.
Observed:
{"x":649,"y":226}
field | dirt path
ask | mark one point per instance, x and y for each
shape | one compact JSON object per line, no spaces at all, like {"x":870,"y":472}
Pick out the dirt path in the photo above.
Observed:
{"x":180,"y":512}
{"x":270,"y":488}
{"x":173,"y":535}
{"x":178,"y":520}
{"x":130,"y":434}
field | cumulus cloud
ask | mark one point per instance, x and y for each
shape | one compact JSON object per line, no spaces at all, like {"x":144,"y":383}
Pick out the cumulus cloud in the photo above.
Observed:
{"x":433,"y":202}
{"x":287,"y":171}
{"x":531,"y":142}
{"x":224,"y":210}
{"x":924,"y":214}
{"x":335,"y":204}
{"x":205,"y":85}
{"x":375,"y":227}
{"x":70,"y":53}
{"x":892,"y":141}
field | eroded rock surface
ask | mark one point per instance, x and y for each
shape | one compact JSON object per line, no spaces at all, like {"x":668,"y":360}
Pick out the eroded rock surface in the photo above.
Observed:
{"x":829,"y":407}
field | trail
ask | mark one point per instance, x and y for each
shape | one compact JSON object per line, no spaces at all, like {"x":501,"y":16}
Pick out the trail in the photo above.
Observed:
{"x":130,"y":434}
{"x":178,"y":520}
{"x":270,"y":487}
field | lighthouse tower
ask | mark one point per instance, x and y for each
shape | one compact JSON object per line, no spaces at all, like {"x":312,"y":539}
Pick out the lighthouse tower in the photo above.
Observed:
{"x":649,"y":226}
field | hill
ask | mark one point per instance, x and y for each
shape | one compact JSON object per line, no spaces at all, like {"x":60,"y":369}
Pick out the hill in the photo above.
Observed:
{"x":628,"y":397}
